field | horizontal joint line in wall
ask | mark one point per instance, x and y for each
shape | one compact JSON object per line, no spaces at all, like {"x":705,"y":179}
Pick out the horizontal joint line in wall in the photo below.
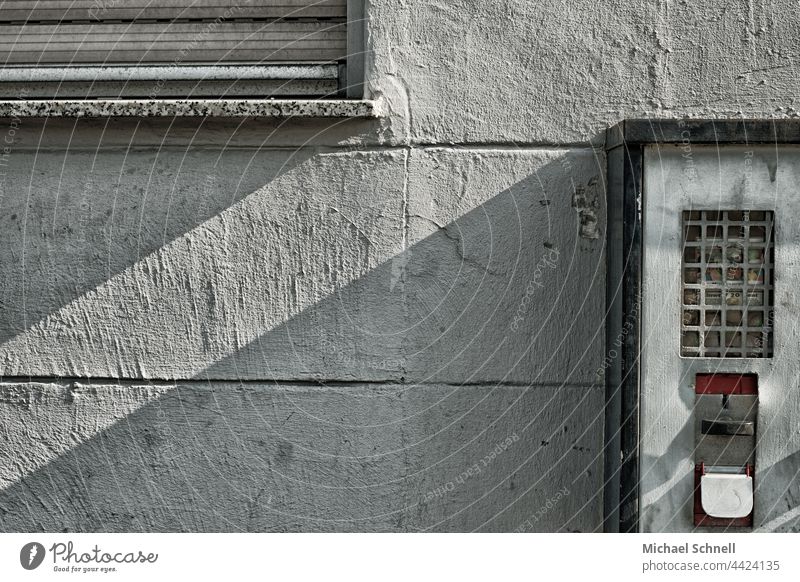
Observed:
{"x":291,"y":382}
{"x":510,"y":145}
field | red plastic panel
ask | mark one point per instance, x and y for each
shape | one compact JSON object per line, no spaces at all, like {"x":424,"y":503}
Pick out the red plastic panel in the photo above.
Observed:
{"x":726,"y":384}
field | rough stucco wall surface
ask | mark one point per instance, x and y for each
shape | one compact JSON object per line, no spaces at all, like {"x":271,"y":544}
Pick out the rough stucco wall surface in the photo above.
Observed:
{"x":559,"y":72}
{"x":161,"y":265}
{"x":283,"y":457}
{"x":287,"y":260}
{"x":307,"y":325}
{"x":272,"y":267}
{"x":354,"y":337}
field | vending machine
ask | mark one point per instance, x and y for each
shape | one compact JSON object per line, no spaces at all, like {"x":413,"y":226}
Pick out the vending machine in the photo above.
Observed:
{"x":703,"y":391}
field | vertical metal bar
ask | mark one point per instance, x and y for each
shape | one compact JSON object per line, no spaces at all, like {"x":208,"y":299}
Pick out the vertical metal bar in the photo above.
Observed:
{"x":341,"y":88}
{"x":356,"y":48}
{"x":631,"y":307}
{"x":612,"y":369}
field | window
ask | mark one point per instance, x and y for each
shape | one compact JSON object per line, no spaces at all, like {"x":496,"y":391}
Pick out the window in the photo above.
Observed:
{"x":177,"y":48}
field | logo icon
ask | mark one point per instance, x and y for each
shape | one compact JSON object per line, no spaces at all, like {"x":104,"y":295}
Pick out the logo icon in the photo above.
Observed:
{"x":31,"y":555}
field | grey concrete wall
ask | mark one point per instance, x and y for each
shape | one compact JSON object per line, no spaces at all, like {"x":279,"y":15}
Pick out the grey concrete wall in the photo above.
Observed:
{"x":372,"y":325}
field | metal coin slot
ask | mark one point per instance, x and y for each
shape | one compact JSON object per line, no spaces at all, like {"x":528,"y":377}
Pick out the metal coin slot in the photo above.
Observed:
{"x":728,"y":427}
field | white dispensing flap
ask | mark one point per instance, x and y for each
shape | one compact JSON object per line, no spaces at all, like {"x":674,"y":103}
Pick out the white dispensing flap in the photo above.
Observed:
{"x":725,"y":495}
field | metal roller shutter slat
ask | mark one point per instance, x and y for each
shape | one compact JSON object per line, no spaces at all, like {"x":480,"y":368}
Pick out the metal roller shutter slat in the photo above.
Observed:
{"x":163,"y":42}
{"x":212,"y":41}
{"x":61,"y":10}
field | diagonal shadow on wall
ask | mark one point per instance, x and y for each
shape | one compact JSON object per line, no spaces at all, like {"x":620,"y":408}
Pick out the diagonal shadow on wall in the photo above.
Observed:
{"x":73,"y":219}
{"x":451,"y":386}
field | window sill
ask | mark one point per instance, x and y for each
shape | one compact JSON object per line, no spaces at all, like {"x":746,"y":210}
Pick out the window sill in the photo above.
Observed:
{"x":280,"y":108}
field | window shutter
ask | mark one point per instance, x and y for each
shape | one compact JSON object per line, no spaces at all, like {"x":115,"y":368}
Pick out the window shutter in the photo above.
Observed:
{"x":176,"y":33}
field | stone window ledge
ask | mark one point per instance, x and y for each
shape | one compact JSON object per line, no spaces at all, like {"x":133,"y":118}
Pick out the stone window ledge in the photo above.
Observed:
{"x":276,"y":108}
